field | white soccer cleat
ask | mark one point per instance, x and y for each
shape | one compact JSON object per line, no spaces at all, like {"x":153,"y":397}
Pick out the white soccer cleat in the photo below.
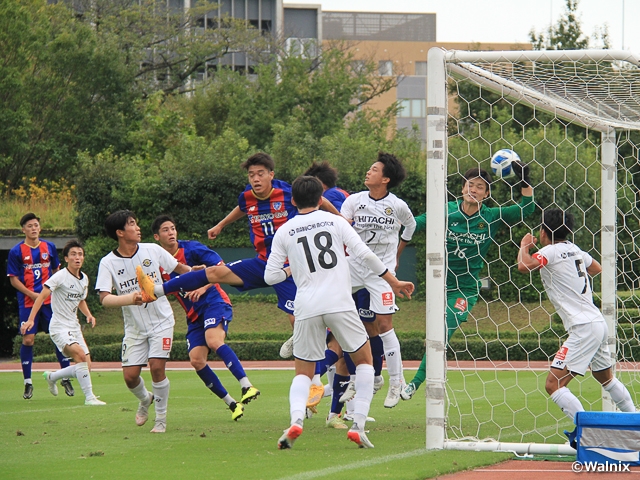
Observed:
{"x":360,"y":438}
{"x":349,"y":393}
{"x":408,"y":391}
{"x":290,"y":435}
{"x":160,"y":426}
{"x":286,"y":350}
{"x":393,"y":395}
{"x":378,"y":383}
{"x":53,"y":388}
{"x":143,"y":411}
{"x":348,"y":417}
{"x":94,"y":402}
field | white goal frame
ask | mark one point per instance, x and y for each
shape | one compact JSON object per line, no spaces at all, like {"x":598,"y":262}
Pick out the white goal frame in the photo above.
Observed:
{"x":440,"y":63}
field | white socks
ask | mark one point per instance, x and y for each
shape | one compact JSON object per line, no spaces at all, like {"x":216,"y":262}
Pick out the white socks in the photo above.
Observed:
{"x":67,"y":372}
{"x":84,"y":379}
{"x":567,"y":402}
{"x":140,"y":391}
{"x":392,"y":356}
{"x":298,"y":395}
{"x":161,"y":394}
{"x":620,"y":395}
{"x":364,"y":395}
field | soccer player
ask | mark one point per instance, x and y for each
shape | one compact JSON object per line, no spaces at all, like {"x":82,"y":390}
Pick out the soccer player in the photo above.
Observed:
{"x":209,"y":312}
{"x":31,"y":263}
{"x":313,"y":244}
{"x":148,"y":328}
{"x":377,"y":216}
{"x":564,"y":268}
{"x":471,"y":228}
{"x":68,"y":291}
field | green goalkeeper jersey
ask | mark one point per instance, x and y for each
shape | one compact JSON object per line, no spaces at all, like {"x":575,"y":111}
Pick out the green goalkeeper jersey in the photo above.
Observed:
{"x":469,"y":239}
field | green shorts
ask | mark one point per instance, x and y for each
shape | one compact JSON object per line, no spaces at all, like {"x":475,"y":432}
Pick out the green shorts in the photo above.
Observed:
{"x":459,"y":304}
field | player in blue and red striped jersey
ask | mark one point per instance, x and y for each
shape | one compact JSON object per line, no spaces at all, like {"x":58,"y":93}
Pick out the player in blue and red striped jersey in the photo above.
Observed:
{"x":209,"y":312}
{"x":267,"y":204}
{"x":31,"y":263}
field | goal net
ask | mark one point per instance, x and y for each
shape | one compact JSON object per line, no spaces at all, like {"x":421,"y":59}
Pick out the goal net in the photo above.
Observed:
{"x":574,"y":118}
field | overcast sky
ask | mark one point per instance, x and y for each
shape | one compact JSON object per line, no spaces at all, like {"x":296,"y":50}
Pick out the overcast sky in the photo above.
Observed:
{"x":507,"y":20}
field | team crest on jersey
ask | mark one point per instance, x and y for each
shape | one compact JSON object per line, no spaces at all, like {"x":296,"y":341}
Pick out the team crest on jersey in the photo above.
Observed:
{"x":45,"y":255}
{"x":292,"y":232}
{"x":388,"y":211}
{"x":146,"y":262}
{"x":482,"y":225}
{"x":277,"y":205}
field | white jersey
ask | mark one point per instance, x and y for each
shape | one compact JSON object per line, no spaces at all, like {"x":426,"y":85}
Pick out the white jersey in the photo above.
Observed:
{"x":567,"y":284}
{"x":119,"y":273}
{"x":314,"y":244}
{"x":67,"y":291}
{"x":378,"y":223}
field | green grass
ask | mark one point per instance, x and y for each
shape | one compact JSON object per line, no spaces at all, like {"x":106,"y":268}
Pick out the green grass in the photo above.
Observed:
{"x":59,"y":437}
{"x":55,"y":214}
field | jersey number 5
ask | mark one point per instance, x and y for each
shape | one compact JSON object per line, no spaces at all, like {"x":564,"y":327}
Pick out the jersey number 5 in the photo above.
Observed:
{"x":324,"y":251}
{"x":582,"y":273}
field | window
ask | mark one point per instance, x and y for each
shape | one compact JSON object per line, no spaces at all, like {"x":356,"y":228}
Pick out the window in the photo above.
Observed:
{"x":421,"y":69}
{"x":358,"y":66}
{"x":385,"y":68}
{"x":412,"y":108}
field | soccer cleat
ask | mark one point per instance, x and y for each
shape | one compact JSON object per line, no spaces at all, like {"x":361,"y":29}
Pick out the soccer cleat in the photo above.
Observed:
{"x":408,"y":391}
{"x":336,"y":422}
{"x":68,"y":388}
{"x":289,"y":436}
{"x":360,"y":438}
{"x":311,"y":411}
{"x":146,"y":285}
{"x":160,"y":426}
{"x":349,"y":393}
{"x":142,"y":414}
{"x":572,"y":438}
{"x":349,"y":418}
{"x":94,"y":402}
{"x":249,"y":393}
{"x":28,"y":391}
{"x":237,"y":411}
{"x":393,"y":396}
{"x":378,"y":383}
{"x":286,"y":350}
{"x":316,"y":392}
{"x":146,"y":298}
{"x":53,"y":388}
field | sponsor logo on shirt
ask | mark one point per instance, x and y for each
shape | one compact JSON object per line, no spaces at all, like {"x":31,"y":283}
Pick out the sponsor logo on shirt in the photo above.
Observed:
{"x":32,"y":266}
{"x":373,"y":219}
{"x":292,"y":232}
{"x":267,"y":216}
{"x":562,"y":354}
{"x":120,"y":272}
{"x":461,"y":304}
{"x":387,"y":298}
{"x":209,"y":322}
{"x":362,"y":207}
{"x":289,"y":304}
{"x":166,"y":343}
{"x":28,"y":257}
{"x":365,"y":313}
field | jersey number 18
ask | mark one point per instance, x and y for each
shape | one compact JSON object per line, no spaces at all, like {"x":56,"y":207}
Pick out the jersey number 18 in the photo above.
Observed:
{"x":324,"y":251}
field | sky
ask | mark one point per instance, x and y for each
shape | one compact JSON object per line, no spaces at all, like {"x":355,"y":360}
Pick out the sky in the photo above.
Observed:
{"x":508,"y":21}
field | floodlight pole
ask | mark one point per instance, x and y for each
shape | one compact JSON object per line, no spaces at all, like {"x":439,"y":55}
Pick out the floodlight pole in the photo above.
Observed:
{"x":435,"y":246}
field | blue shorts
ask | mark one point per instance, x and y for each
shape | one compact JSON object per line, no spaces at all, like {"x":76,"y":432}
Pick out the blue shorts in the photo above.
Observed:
{"x":211,"y":317}
{"x":361,"y":297}
{"x":41,"y":323}
{"x":251,"y":272}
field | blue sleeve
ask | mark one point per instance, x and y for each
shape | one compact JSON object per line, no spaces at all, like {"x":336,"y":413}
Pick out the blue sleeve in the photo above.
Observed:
{"x":200,"y":254}
{"x":55,"y":261}
{"x":14,"y":263}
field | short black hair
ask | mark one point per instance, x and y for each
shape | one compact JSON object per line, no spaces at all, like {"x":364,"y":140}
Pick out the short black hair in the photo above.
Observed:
{"x":259,"y":158}
{"x":306,"y":191}
{"x":557,"y":224}
{"x":477,"y":172}
{"x":117,"y":221}
{"x":69,"y":245}
{"x":392,"y":169}
{"x":324,"y":172}
{"x":160,"y":219}
{"x":27,"y":217}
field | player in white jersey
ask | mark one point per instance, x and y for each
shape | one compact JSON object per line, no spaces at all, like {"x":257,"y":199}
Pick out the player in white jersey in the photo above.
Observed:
{"x":564,"y":268}
{"x":148,"y":328}
{"x":68,"y":290}
{"x":312,"y":241}
{"x":377,"y":216}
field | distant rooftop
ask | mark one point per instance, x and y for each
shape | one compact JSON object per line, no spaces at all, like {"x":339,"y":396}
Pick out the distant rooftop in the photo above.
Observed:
{"x":398,"y":27}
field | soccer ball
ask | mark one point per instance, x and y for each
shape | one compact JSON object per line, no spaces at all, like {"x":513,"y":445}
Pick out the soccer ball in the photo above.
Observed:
{"x":501,"y":163}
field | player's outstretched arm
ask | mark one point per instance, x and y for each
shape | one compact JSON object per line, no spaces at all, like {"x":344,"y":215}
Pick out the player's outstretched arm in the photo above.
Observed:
{"x":401,"y":288}
{"x":527,"y":263}
{"x":44,"y":294}
{"x":275,"y":271}
{"x":522,"y":172}
{"x":234,"y":215}
{"x":107,"y":299}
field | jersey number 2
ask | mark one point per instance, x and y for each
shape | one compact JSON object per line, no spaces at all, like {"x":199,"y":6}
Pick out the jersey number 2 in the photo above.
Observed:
{"x":324,"y":251}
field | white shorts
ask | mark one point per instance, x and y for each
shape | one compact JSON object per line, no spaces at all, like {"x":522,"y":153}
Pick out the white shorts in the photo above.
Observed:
{"x":63,"y":338}
{"x":587,"y":346}
{"x":383,"y":300}
{"x":137,"y":351}
{"x":310,"y":334}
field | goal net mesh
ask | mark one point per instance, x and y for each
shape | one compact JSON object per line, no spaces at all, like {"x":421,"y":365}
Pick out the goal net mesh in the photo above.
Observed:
{"x":553,"y":114}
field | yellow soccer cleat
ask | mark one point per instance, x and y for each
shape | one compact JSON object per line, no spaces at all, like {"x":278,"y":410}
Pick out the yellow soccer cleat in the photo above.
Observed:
{"x":316,"y":392}
{"x":146,"y":285}
{"x":237,"y":411}
{"x":249,"y":393}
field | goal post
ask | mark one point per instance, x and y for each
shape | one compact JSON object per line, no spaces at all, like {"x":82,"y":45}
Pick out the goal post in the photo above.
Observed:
{"x":574,"y":117}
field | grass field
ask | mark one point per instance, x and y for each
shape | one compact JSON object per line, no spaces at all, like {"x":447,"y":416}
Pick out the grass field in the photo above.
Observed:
{"x":58,"y":437}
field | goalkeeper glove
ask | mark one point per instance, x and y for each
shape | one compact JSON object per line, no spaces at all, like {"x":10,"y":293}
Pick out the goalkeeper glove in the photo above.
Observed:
{"x":522,"y":172}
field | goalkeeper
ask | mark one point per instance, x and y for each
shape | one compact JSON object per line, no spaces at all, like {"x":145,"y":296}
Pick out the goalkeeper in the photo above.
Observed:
{"x":471,"y":228}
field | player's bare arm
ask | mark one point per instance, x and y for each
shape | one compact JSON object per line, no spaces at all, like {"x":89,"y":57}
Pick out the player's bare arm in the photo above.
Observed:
{"x":108,"y":299}
{"x":84,"y":308}
{"x":18,"y":285}
{"x":401,"y":288}
{"x":595,"y":268}
{"x":234,"y":215}
{"x":526,"y":263}
{"x":182,"y":268}
{"x":40,"y":298}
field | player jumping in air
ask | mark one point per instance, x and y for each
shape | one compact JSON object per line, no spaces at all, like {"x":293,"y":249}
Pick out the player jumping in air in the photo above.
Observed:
{"x":471,"y":229}
{"x":29,"y":265}
{"x":68,"y":291}
{"x":564,"y":269}
{"x":148,"y":328}
{"x":209,"y":312}
{"x":313,"y":244}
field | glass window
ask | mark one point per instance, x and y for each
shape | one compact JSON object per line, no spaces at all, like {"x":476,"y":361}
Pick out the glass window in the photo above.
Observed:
{"x":421,"y":69}
{"x":404,"y":109}
{"x":385,"y":68}
{"x":412,"y":108}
